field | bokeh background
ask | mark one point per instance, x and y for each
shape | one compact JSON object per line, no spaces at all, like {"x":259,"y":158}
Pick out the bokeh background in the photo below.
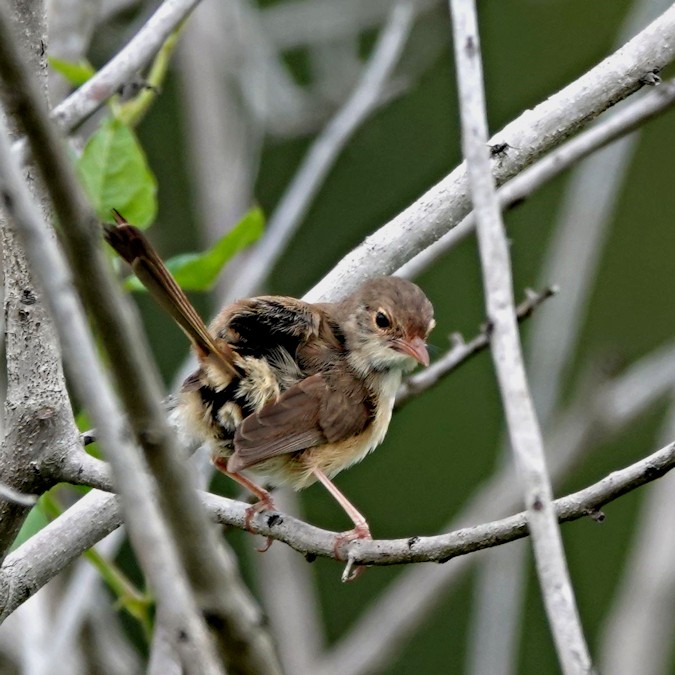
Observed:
{"x":443,"y":446}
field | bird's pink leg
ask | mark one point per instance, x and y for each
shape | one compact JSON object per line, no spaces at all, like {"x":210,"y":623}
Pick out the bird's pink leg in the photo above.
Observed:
{"x":361,"y":529}
{"x":264,"y":502}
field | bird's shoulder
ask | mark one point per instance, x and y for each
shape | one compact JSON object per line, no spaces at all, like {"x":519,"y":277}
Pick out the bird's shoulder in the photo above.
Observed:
{"x":261,"y":325}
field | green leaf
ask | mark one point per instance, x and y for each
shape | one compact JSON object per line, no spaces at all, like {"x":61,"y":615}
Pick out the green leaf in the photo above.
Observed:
{"x":76,"y":73}
{"x":115,"y":174}
{"x":34,"y":522}
{"x":198,"y":271}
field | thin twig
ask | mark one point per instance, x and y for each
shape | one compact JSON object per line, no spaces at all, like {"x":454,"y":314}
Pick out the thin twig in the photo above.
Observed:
{"x":534,"y":133}
{"x":325,"y":150}
{"x":123,"y":66}
{"x":462,"y":351}
{"x":638,"y":629}
{"x":523,"y":427}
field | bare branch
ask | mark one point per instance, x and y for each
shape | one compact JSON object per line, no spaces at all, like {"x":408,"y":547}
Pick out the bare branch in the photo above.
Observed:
{"x":324,"y":151}
{"x":462,"y":351}
{"x":308,"y":539}
{"x":572,"y":260}
{"x":523,"y":426}
{"x":622,"y":122}
{"x":37,"y":419}
{"x":123,"y":66}
{"x":534,"y":133}
{"x":213,"y":576}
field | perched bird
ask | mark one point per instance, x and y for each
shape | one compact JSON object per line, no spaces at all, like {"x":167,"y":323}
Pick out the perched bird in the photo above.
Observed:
{"x":287,"y":389}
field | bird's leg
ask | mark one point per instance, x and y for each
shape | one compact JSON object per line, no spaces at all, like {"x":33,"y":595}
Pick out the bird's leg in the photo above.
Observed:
{"x":264,"y":502}
{"x":361,"y":529}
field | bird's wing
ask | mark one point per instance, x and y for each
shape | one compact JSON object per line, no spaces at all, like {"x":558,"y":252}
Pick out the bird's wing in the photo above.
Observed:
{"x":317,"y":410}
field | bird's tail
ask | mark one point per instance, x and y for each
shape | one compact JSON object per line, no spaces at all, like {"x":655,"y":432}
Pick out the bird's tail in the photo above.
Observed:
{"x":132,"y":245}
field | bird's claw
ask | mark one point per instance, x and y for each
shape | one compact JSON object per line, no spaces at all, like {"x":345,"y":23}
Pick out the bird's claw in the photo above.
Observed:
{"x":252,"y":511}
{"x":352,"y":571}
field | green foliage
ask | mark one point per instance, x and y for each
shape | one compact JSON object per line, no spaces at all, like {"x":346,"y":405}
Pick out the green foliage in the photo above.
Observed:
{"x":198,"y":271}
{"x":35,"y":521}
{"x":115,"y":174}
{"x":75,"y":73}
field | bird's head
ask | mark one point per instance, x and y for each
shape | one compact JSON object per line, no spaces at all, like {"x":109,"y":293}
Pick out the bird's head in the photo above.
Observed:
{"x":387,"y":321}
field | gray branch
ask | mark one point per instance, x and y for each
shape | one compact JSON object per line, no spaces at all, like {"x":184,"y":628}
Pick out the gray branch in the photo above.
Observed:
{"x":37,"y":419}
{"x":212,"y":574}
{"x":123,"y":66}
{"x":324,"y":151}
{"x":523,"y":427}
{"x":534,"y":133}
{"x":631,"y":117}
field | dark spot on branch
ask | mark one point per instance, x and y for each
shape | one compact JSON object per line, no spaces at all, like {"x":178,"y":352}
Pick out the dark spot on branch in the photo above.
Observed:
{"x":651,"y":78}
{"x":517,"y":202}
{"x":183,"y":636}
{"x":274,"y":519}
{"x":310,"y":557}
{"x":412,"y":541}
{"x":214,"y":619}
{"x":470,"y":46}
{"x":596,"y":514}
{"x":537,"y":504}
{"x":651,"y":472}
{"x":7,"y":200}
{"x":28,"y":297}
{"x":23,"y":592}
{"x":488,"y":328}
{"x":500,"y":150}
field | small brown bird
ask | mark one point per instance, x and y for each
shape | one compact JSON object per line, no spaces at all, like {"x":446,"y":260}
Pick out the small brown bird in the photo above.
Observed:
{"x":287,"y":389}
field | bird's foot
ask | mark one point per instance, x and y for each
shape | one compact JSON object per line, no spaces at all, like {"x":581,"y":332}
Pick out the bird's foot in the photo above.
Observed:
{"x":263,"y":504}
{"x":361,"y":531}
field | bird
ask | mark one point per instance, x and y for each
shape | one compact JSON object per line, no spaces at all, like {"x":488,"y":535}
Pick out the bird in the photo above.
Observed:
{"x":291,"y":390}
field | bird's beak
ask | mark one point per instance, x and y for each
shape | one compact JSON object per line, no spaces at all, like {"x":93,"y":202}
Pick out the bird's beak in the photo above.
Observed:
{"x":415,"y":347}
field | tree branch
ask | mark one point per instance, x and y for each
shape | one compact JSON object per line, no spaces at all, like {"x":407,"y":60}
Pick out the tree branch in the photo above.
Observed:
{"x":531,"y":135}
{"x":314,"y":541}
{"x":37,"y":417}
{"x":462,"y":351}
{"x":523,"y":427}
{"x":244,"y":644}
{"x":518,"y":189}
{"x":123,"y":66}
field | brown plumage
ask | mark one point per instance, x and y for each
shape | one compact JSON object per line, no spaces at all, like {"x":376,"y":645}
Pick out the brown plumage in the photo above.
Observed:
{"x":287,"y":389}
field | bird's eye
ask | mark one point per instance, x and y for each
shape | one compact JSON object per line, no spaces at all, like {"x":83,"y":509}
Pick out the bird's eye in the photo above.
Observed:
{"x":382,"y":320}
